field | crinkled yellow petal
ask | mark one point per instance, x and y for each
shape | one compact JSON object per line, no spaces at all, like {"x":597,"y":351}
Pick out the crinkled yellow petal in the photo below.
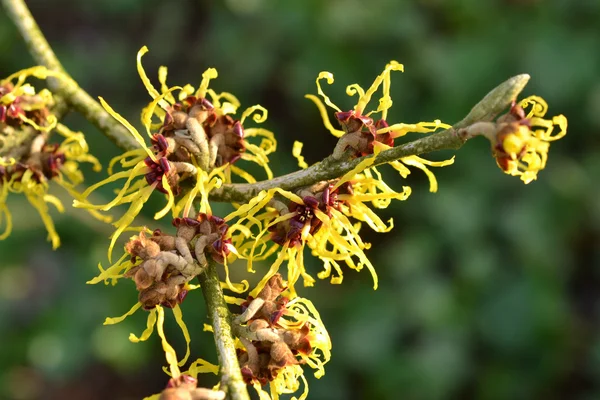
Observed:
{"x":297,"y":153}
{"x":126,"y":220}
{"x":136,"y":135}
{"x":328,"y":76}
{"x":51,"y":120}
{"x":229,"y":106}
{"x":113,"y":272}
{"x":262,"y":395}
{"x":4,"y":211}
{"x":242,"y":174}
{"x":138,"y":170}
{"x":150,"y":323}
{"x":234,"y":300}
{"x":366,"y":98}
{"x":272,"y":271}
{"x":201,"y":366}
{"x":186,"y":334}
{"x":539,"y":107}
{"x":162,"y":79}
{"x":170,"y":197}
{"x":364,"y":164}
{"x":256,"y":203}
{"x":236,"y":288}
{"x":39,"y":203}
{"x":288,"y":195}
{"x":259,"y":117}
{"x":399,"y":130}
{"x":116,"y":320}
{"x":145,"y":80}
{"x":170,"y":354}
{"x":257,"y":155}
{"x":355,"y":88}
{"x":207,"y":75}
{"x":136,"y":155}
{"x":149,"y":110}
{"x":325,"y":116}
{"x":559,"y":120}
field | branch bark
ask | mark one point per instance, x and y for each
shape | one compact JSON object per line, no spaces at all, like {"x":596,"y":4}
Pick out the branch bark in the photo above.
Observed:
{"x":220,"y":318}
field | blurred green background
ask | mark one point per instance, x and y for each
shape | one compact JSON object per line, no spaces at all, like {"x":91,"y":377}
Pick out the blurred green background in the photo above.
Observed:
{"x":489,"y":289}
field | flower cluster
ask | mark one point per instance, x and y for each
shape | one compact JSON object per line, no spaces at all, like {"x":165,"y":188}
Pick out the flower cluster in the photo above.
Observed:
{"x":277,"y":334}
{"x":522,"y":138}
{"x":28,"y":161}
{"x":194,"y":140}
{"x":362,"y":135}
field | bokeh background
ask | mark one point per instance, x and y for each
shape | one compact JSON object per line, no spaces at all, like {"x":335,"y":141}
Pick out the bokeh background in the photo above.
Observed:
{"x":489,"y":289}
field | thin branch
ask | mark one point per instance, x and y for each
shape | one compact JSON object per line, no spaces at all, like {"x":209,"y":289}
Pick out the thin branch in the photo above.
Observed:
{"x":220,"y":318}
{"x":489,"y":107}
{"x":78,"y":98}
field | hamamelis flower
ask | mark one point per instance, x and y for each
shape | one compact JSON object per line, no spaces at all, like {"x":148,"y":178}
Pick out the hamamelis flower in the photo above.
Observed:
{"x":366,"y":135}
{"x":162,"y":266}
{"x":32,"y":162}
{"x":156,"y":167}
{"x":195,"y":140}
{"x":20,"y":104}
{"x":523,"y":137}
{"x":221,"y":139}
{"x":327,"y":221}
{"x":278,"y":334}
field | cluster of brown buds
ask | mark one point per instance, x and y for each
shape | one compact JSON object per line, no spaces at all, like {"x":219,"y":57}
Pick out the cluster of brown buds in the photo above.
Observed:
{"x":184,"y":387}
{"x":269,"y":346}
{"x":170,"y":261}
{"x":197,"y":121}
{"x":361,"y":132}
{"x":42,"y":159}
{"x":173,"y":160}
{"x":33,"y":107}
{"x":290,"y":231}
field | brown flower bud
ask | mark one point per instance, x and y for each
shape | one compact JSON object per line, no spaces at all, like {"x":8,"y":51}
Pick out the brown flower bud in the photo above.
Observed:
{"x":281,"y":355}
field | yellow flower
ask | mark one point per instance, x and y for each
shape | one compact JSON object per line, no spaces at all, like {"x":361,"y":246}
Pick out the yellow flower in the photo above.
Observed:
{"x":162,"y":267}
{"x":222,"y":140}
{"x":40,"y":164}
{"x":277,"y":332}
{"x":160,"y":168}
{"x":364,"y":135}
{"x":523,"y":137}
{"x":322,"y":222}
{"x":19,"y":103}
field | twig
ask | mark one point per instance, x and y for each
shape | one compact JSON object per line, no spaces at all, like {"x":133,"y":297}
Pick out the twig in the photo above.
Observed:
{"x":491,"y":105}
{"x":229,"y":368}
{"x":78,"y":98}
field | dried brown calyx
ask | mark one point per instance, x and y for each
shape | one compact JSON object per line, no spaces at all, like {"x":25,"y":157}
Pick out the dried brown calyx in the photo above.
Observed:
{"x":361,"y":132}
{"x":269,"y":345}
{"x":193,"y":126}
{"x":168,"y":262}
{"x":290,"y":231}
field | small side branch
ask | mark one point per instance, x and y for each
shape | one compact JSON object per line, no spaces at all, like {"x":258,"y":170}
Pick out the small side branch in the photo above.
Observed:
{"x":220,"y":318}
{"x":490,"y":106}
